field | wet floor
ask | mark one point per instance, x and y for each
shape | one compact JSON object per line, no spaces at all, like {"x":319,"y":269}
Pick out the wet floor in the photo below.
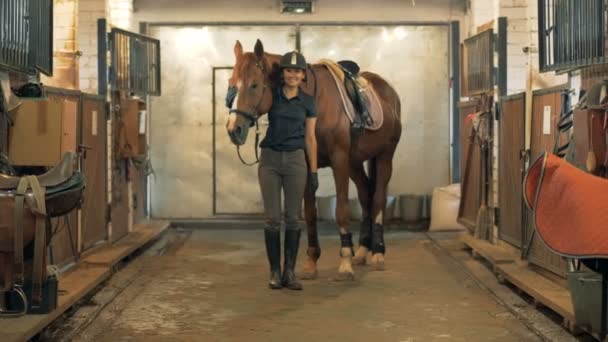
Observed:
{"x":202,"y":285}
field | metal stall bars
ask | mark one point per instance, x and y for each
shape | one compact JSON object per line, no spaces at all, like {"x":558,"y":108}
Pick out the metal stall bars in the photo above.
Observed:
{"x":134,"y":72}
{"x":26,"y":36}
{"x":135,"y":63}
{"x":26,"y":43}
{"x":478,"y":64}
{"x":572,"y":34}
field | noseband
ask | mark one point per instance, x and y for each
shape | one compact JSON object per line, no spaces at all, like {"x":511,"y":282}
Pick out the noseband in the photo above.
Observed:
{"x":251,"y":116}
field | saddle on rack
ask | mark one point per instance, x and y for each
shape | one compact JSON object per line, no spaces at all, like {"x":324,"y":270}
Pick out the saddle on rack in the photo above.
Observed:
{"x":569,"y":207}
{"x":27,"y":203}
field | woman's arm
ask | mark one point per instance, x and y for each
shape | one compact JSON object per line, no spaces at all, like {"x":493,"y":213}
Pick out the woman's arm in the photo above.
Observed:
{"x":311,"y":144}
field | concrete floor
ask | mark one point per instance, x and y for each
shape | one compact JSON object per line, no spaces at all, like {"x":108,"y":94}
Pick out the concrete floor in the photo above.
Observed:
{"x":211,"y":286}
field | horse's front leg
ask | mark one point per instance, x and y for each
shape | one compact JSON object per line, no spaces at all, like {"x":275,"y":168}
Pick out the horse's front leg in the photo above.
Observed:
{"x":340,"y":166}
{"x":314,"y":250}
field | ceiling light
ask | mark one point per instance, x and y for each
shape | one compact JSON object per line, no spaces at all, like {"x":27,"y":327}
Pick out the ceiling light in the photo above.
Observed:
{"x":296,"y":7}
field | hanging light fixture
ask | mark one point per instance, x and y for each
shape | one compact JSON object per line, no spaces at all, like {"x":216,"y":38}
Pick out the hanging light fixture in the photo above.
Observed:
{"x":296,"y":6}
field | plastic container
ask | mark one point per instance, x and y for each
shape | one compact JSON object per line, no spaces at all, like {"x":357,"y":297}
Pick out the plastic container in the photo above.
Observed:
{"x":410,"y":207}
{"x":326,"y":208}
{"x":354,"y":209}
{"x":586,"y":292}
{"x":426,"y":206}
{"x":389,"y":214}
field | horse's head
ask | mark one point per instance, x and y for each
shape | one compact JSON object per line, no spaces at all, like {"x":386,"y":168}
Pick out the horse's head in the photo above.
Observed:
{"x":250,"y":85}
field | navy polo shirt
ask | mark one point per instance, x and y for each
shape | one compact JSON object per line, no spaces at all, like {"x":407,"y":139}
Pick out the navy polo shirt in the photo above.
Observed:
{"x":287,"y":121}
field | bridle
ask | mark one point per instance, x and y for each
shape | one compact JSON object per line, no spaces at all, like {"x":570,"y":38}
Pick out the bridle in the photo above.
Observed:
{"x":251,"y":116}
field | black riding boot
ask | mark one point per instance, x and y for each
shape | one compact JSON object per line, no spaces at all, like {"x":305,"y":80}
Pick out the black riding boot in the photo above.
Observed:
{"x":292,"y":243}
{"x":273,"y":249}
{"x":378,"y":239}
{"x":365,"y":234}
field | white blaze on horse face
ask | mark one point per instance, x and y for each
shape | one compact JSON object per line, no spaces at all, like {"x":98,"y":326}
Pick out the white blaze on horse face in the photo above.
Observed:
{"x":232,"y":116}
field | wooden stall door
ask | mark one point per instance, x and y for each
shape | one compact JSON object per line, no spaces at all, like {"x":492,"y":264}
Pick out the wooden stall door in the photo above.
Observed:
{"x":470,"y":186}
{"x":546,"y":108}
{"x":94,"y":136}
{"x":510,"y":165}
{"x":65,"y":241}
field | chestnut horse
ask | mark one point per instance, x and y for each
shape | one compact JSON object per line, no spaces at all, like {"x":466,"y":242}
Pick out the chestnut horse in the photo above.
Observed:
{"x":254,"y":74}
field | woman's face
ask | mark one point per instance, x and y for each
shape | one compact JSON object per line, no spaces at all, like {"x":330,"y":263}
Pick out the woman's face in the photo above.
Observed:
{"x":293,"y":77}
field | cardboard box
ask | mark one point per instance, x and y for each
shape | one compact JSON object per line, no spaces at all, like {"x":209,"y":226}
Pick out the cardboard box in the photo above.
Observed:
{"x":43,"y":131}
{"x":133,"y":142}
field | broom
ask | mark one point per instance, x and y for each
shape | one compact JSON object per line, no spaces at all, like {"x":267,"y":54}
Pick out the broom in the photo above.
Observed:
{"x":483,"y":214}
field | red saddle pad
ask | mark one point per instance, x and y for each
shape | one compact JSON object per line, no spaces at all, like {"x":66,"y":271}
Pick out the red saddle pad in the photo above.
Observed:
{"x":570,"y":207}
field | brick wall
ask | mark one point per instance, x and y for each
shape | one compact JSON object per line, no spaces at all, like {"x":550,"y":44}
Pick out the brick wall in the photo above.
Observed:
{"x":88,"y":13}
{"x":65,"y":70}
{"x":481,"y":12}
{"x":120,"y":14}
{"x":518,"y":38}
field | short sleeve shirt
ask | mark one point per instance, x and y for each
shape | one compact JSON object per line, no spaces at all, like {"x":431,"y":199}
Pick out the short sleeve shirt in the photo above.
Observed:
{"x":287,"y":121}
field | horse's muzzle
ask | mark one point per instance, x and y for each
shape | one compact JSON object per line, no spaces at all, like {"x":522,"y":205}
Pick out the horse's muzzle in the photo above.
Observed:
{"x":238,"y":135}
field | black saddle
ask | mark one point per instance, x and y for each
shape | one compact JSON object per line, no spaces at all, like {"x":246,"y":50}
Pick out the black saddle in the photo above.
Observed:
{"x":355,"y":93}
{"x":350,"y":66}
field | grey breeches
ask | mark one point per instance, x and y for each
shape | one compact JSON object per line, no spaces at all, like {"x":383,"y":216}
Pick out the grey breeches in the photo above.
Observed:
{"x":286,"y":171}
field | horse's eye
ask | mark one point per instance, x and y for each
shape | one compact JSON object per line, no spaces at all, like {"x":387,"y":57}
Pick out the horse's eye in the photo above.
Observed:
{"x":254,"y":86}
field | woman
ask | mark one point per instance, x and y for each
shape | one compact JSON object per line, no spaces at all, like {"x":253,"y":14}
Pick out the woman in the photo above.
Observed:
{"x":291,"y":130}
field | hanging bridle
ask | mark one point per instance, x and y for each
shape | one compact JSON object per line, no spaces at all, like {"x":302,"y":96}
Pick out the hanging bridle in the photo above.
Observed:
{"x":251,"y":116}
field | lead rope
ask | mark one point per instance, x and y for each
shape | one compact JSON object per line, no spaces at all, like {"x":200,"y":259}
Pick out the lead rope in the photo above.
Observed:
{"x":255,"y":147}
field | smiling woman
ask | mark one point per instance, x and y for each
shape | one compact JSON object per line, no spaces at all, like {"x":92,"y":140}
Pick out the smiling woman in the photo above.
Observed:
{"x":283,"y":165}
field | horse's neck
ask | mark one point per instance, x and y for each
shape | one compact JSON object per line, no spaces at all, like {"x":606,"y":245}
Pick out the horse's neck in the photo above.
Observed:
{"x":312,"y":84}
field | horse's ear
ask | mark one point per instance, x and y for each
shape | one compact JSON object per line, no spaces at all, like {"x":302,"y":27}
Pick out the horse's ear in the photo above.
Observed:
{"x":259,"y":49}
{"x":238,"y":49}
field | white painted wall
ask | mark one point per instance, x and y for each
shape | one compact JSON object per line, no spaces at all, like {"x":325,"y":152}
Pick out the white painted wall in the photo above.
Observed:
{"x":217,"y":11}
{"x":182,"y":144}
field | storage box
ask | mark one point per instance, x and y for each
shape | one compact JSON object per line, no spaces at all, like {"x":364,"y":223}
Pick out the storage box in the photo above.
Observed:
{"x":133,"y":141}
{"x":44,"y":129}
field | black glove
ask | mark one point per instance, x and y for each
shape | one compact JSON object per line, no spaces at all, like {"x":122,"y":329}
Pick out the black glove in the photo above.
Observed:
{"x":313,"y":182}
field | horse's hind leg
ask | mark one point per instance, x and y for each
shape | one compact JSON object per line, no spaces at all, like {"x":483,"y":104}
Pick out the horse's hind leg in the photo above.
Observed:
{"x":340,"y":167}
{"x":357,"y":174}
{"x":384,"y":169}
{"x":314,"y":250}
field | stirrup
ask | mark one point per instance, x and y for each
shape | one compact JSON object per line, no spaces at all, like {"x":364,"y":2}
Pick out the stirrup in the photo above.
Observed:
{"x":13,"y":314}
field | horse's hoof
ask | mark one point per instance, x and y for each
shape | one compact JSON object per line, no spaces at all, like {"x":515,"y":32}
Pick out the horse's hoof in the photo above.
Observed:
{"x":309,"y":274}
{"x":357,"y":260}
{"x":377,"y":262}
{"x":360,"y":257}
{"x":345,"y":276}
